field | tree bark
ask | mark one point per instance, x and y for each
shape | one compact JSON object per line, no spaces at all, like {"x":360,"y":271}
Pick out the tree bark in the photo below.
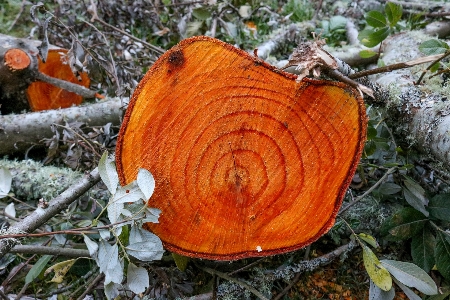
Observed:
{"x":419,"y":114}
{"x":19,"y":132}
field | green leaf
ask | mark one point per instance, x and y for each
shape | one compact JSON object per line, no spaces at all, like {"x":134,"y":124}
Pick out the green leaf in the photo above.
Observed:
{"x":389,"y":188}
{"x":181,"y":261}
{"x":201,"y":13}
{"x":439,"y":207}
{"x":376,"y":19}
{"x":411,"y":275}
{"x":435,"y":67}
{"x":433,"y":47}
{"x":440,"y":297}
{"x":377,"y":273}
{"x":393,"y":12}
{"x":368,"y":239}
{"x":422,"y":249}
{"x":415,"y":195}
{"x":60,"y":270}
{"x":404,"y":224}
{"x":371,"y":38}
{"x":442,"y":254}
{"x":37,"y":269}
{"x":337,"y":22}
{"x":367,"y":53}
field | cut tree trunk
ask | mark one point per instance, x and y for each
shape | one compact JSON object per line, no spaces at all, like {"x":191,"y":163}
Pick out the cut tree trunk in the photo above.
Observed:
{"x":53,"y":85}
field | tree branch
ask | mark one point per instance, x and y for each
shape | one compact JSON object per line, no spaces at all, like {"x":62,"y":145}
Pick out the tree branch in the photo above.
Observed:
{"x":40,"y":215}
{"x":19,"y":132}
{"x":41,"y":250}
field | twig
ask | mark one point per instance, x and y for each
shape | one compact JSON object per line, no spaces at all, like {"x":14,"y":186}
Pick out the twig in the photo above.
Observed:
{"x":247,"y":266}
{"x":289,"y":286}
{"x":34,"y":249}
{"x":152,"y":47}
{"x":442,"y":56}
{"x":91,"y":286}
{"x":403,"y":65}
{"x":205,"y":296}
{"x":41,"y":216}
{"x":22,"y":8}
{"x":68,"y":86}
{"x":357,"y":199}
{"x":2,"y":295}
{"x":82,"y":230}
{"x":241,"y":283}
{"x":81,"y":137}
{"x":25,"y":286}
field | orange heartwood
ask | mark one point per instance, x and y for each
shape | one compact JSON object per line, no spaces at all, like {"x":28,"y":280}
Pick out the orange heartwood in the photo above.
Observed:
{"x":247,"y":161}
{"x":44,"y":96}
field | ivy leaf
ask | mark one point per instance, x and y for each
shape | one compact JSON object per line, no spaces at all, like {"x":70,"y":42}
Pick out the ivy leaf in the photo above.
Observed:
{"x":393,"y":12}
{"x":442,"y":254}
{"x":60,"y":270}
{"x":108,"y":173}
{"x":376,"y":19}
{"x":375,"y":293}
{"x":377,"y":273}
{"x":37,"y":269}
{"x":146,"y":183}
{"x":433,"y":47}
{"x":439,"y":207}
{"x":5,"y":182}
{"x":137,"y":278}
{"x":422,"y":249}
{"x":411,"y":275}
{"x":404,"y":224}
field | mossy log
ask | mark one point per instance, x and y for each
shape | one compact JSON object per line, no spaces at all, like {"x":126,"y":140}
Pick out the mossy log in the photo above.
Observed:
{"x":31,"y":180}
{"x":419,"y":114}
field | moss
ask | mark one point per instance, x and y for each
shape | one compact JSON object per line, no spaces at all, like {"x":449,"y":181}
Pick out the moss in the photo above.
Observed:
{"x":32,"y":180}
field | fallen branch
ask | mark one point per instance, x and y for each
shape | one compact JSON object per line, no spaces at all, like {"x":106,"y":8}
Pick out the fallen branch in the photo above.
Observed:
{"x":20,"y":132}
{"x":41,"y":250}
